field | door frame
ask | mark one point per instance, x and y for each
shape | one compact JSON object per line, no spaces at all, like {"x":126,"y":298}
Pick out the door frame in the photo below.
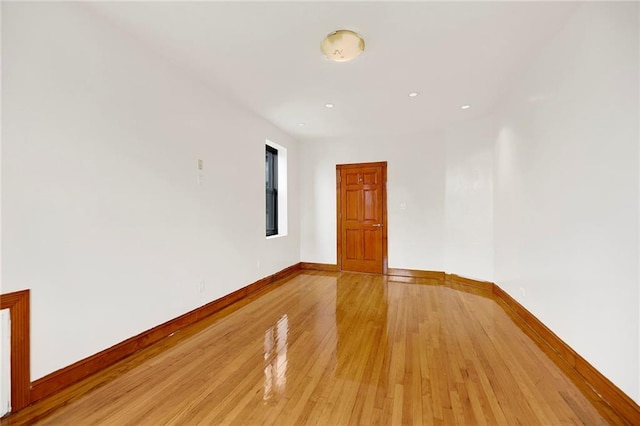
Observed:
{"x":339,"y":168}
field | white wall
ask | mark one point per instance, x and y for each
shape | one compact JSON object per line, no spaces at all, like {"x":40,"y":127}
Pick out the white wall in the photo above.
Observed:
{"x":415,"y":179}
{"x":439,"y":197}
{"x":5,"y":326}
{"x":103,"y":216}
{"x":102,"y":212}
{"x":566,"y":189}
{"x":468,"y":248}
{"x":542,"y":196}
{"x":638,"y":176}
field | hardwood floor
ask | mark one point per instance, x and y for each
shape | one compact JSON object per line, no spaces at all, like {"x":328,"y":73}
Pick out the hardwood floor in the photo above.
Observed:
{"x":331,"y":349}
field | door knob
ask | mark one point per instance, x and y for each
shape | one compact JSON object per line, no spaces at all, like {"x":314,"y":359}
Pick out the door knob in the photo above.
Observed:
{"x":377,"y":224}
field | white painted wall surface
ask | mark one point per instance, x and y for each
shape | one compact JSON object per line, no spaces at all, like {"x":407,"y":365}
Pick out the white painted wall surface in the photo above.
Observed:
{"x":468,"y":248}
{"x":439,"y":197}
{"x":5,"y":365}
{"x":415,"y":181}
{"x":638,"y":89}
{"x":541,"y":197}
{"x":103,"y":216}
{"x":5,"y":338}
{"x":566,"y":189}
{"x":102,"y":212}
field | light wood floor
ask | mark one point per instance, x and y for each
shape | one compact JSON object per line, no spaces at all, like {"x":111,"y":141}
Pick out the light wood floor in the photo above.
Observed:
{"x":337,"y":349}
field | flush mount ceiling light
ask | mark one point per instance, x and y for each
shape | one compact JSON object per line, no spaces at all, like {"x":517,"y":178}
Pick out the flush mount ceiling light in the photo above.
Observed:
{"x":413,"y":94}
{"x":342,"y":45}
{"x":465,"y":107}
{"x":329,"y":105}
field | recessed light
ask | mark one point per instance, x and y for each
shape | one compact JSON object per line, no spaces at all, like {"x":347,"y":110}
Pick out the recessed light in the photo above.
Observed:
{"x":329,"y":105}
{"x":300,"y":124}
{"x":465,"y":106}
{"x":413,"y":94}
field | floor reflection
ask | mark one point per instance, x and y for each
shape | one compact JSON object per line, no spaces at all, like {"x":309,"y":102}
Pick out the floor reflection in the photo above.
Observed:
{"x":275,"y":359}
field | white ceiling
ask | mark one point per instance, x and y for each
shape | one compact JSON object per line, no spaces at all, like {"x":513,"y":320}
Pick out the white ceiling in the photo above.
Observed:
{"x":266,"y":56}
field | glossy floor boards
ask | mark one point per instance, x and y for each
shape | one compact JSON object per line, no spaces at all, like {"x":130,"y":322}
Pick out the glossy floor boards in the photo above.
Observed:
{"x":337,"y":349}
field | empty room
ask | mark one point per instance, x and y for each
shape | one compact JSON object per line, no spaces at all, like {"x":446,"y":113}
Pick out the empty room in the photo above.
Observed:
{"x":325,"y":213}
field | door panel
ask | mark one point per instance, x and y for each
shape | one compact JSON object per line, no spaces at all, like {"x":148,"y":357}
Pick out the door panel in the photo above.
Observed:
{"x":351,"y":178}
{"x":370,"y":244}
{"x":352,"y":208}
{"x":370,"y":210}
{"x":370,"y":178}
{"x":362,"y":217}
{"x":353,"y":243}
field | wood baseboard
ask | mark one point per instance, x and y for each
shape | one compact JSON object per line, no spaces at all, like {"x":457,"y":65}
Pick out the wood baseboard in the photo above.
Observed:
{"x":591,"y":379}
{"x":484,"y":285}
{"x":19,"y":314}
{"x":613,"y":396}
{"x":415,"y":273}
{"x":328,"y":267}
{"x":469,"y":285}
{"x":395,"y":272}
{"x":73,"y":373}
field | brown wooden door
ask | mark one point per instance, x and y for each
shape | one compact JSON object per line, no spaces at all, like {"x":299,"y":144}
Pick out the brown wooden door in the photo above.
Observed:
{"x":362,"y":215}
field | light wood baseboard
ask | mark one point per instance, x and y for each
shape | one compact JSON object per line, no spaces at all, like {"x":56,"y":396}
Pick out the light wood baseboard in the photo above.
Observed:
{"x":73,"y":373}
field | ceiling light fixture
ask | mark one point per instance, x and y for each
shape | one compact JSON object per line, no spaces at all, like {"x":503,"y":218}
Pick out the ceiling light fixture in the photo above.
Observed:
{"x":300,"y":124}
{"x":465,"y":106}
{"x":342,"y":45}
{"x":413,"y":94}
{"x":329,"y":105}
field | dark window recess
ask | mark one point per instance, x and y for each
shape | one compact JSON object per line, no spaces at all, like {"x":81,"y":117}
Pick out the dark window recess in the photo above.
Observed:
{"x":271,"y":180}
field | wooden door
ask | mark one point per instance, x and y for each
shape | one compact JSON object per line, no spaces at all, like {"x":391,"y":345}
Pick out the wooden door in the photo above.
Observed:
{"x":362,"y":217}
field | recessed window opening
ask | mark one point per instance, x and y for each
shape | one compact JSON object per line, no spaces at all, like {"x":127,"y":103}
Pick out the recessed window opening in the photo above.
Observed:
{"x":276,"y":189}
{"x":271,"y":181}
